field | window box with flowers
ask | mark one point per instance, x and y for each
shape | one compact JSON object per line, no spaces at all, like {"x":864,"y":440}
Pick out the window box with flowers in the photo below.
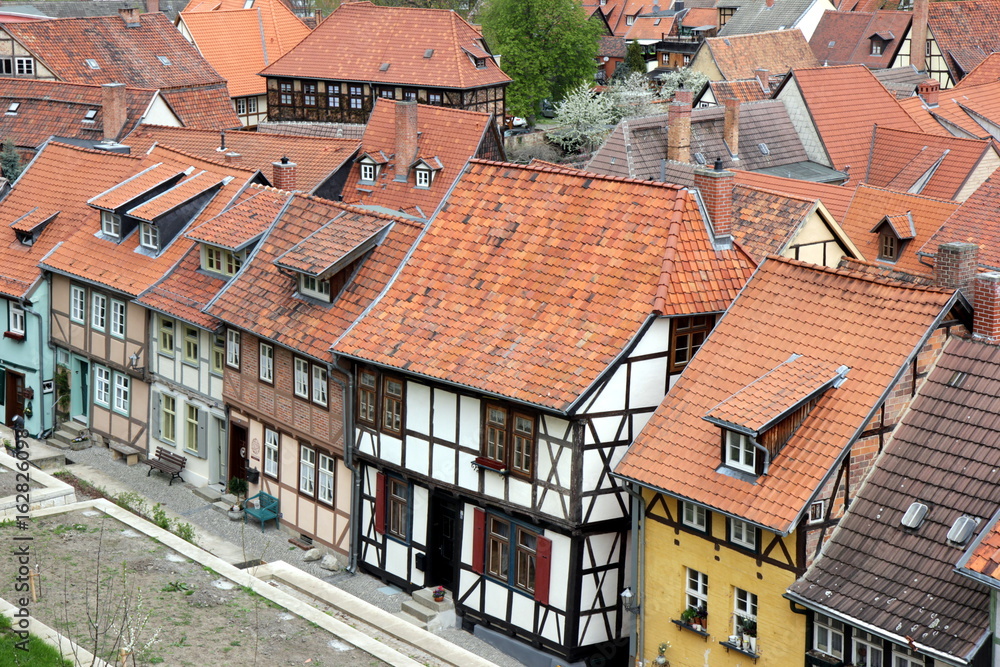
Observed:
{"x":695,"y":619}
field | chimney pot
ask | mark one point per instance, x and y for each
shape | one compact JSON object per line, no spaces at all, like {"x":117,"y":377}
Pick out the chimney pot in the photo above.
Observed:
{"x":406,"y":136}
{"x":232,"y":157}
{"x":930,"y":92}
{"x":716,"y":189}
{"x":114,"y":109}
{"x":284,"y":175}
{"x":955,"y":265}
{"x":986,"y":307}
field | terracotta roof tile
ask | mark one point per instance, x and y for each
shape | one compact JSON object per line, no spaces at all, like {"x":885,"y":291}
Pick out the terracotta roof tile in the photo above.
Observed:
{"x":924,"y":116}
{"x":764,"y":222}
{"x":333,"y":244}
{"x":341,"y":48}
{"x":60,"y":178}
{"x":33,"y":219}
{"x":977,"y":220}
{"x":778,"y":51}
{"x":744,"y":90}
{"x":836,"y":198}
{"x":987,"y":71}
{"x":262,"y":299}
{"x":841,"y":318}
{"x":198,"y":184}
{"x":612,"y":47}
{"x":207,"y":108}
{"x":698,"y":17}
{"x":844,"y":38}
{"x":127,"y":190}
{"x":247,"y":219}
{"x":530,"y":271}
{"x":964,"y":32}
{"x":650,"y":28}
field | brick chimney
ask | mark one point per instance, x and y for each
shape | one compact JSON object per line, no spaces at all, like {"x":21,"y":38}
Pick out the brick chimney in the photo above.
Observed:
{"x":929,"y":91}
{"x":986,"y":307}
{"x":918,"y":35}
{"x":114,"y":108}
{"x":685,"y":95}
{"x":955,"y":265}
{"x":731,"y":125}
{"x":716,"y":188}
{"x":769,"y":3}
{"x":232,"y":157}
{"x":406,"y":137}
{"x":679,"y":129}
{"x":152,"y":6}
{"x":763,"y":76}
{"x":284,"y":175}
{"x":130,"y":15}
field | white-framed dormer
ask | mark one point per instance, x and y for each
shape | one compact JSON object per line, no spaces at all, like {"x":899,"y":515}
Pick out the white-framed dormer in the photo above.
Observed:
{"x":111,"y":224}
{"x":425,"y":171}
{"x":222,"y":261}
{"x":370,"y":168}
{"x":314,"y":287}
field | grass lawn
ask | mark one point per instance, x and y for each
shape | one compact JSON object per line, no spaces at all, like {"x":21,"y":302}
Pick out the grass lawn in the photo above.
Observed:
{"x":39,"y":653}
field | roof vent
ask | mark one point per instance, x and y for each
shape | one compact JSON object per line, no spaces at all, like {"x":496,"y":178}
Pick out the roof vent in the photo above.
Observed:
{"x":962,"y":529}
{"x":384,"y":67}
{"x":92,"y":64}
{"x":764,"y":150}
{"x":957,"y":378}
{"x":428,"y":53}
{"x":914,"y":516}
{"x":699,"y":158}
{"x":164,"y":60}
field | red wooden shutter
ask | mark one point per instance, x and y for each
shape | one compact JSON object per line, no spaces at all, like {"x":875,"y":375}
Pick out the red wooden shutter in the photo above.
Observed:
{"x":479,"y":542}
{"x":379,"y":503}
{"x":543,"y":567}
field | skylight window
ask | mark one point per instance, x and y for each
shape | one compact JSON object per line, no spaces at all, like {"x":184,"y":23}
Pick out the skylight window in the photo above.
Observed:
{"x":90,"y":115}
{"x":699,"y":158}
{"x":164,"y":60}
{"x":92,"y":64}
{"x":428,"y":53}
{"x":384,"y":67}
{"x":13,"y":107}
{"x":248,"y":4}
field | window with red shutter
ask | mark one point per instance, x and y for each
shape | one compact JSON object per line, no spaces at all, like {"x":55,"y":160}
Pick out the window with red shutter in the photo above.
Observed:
{"x":380,"y":503}
{"x":543,"y":568}
{"x":479,"y":541}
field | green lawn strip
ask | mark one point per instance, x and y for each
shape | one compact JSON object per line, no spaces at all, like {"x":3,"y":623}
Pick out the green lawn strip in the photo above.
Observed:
{"x":39,"y":653}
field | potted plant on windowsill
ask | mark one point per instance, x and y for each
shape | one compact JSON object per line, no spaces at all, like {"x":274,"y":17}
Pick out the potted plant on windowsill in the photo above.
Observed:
{"x":238,"y":487}
{"x":749,"y":628}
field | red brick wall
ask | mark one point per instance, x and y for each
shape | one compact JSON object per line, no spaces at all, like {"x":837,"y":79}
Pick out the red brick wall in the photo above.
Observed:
{"x":986,"y":322}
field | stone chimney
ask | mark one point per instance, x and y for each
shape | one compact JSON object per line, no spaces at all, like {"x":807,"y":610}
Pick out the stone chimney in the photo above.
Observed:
{"x":986,"y":307}
{"x":679,"y":128}
{"x":406,"y":137}
{"x":152,"y":6}
{"x":284,"y":175}
{"x":731,"y":125}
{"x":114,"y":108}
{"x":130,"y":15}
{"x":763,"y":76}
{"x":918,"y":35}
{"x":929,"y":91}
{"x":955,"y":265}
{"x":716,"y":188}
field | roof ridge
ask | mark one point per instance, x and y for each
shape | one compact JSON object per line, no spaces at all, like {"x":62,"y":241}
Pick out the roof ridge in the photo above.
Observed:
{"x":352,"y":209}
{"x":95,"y":151}
{"x":569,"y":171}
{"x":859,"y":275}
{"x":869,"y":186}
{"x":193,"y":156}
{"x":67,"y":84}
{"x":937,"y":136}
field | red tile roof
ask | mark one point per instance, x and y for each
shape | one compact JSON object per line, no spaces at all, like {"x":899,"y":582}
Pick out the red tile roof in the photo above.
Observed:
{"x":987,"y":71}
{"x":845,"y":103}
{"x":699,"y":17}
{"x":927,"y":164}
{"x":88,"y":256}
{"x":923,"y":116}
{"x":844,"y":38}
{"x":262,"y":299}
{"x":777,"y":51}
{"x":198,"y":184}
{"x":871,"y":205}
{"x":221,"y":37}
{"x":358,"y":38}
{"x":764,"y":222}
{"x":533,"y":279}
{"x":744,"y":90}
{"x":243,"y":222}
{"x":130,"y":188}
{"x":55,"y":108}
{"x":650,"y":28}
{"x":788,"y":307}
{"x":836,"y":198}
{"x":207,"y":108}
{"x":965,"y":32}
{"x":977,"y":220}
{"x":60,"y":178}
{"x":452,"y":136}
{"x":331,"y":245}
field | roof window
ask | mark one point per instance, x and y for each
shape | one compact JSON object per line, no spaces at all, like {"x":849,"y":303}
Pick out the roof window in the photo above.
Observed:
{"x":248,"y":4}
{"x":164,"y":60}
{"x":90,"y":115}
{"x":962,"y":529}
{"x":13,"y":107}
{"x":384,"y":67}
{"x":914,"y":516}
{"x":699,"y":158}
{"x":92,"y":64}
{"x":764,"y":150}
{"x":428,"y":53}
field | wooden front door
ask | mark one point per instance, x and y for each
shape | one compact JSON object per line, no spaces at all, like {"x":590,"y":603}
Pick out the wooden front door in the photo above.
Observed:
{"x":14,"y":390}
{"x":444,"y":541}
{"x":237,"y":452}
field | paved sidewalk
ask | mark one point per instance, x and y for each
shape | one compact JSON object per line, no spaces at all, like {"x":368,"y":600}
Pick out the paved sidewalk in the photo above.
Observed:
{"x":237,"y":542}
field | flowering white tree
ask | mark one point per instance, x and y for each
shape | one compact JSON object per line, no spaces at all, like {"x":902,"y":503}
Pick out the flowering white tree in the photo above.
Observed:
{"x":585,"y":117}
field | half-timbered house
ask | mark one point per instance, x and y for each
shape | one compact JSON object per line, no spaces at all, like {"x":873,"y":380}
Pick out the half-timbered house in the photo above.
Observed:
{"x":432,"y":56}
{"x":750,"y":462}
{"x":538,"y":323}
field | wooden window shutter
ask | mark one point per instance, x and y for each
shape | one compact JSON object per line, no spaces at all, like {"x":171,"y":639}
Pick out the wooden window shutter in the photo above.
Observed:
{"x":380,"y":503}
{"x":203,"y":433}
{"x":479,"y":542}
{"x":154,"y":416}
{"x":543,"y":569}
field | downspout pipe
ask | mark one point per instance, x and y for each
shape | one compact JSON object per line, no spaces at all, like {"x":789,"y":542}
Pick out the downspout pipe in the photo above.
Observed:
{"x":26,"y":306}
{"x":348,"y":389}
{"x":636,"y":634}
{"x":763,"y":450}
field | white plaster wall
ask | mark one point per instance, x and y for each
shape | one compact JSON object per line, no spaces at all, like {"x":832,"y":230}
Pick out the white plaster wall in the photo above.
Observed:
{"x":418,"y":407}
{"x":392,"y":449}
{"x":418,"y":456}
{"x":160,"y":114}
{"x":418,"y":524}
{"x":445,"y":412}
{"x":648,"y":382}
{"x":810,"y":19}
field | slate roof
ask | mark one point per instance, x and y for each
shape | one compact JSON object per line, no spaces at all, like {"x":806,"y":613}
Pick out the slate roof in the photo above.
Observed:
{"x":55,"y":108}
{"x":841,"y":317}
{"x":194,"y":90}
{"x":59,"y":178}
{"x":636,"y":147}
{"x":262,"y":299}
{"x":755,"y":16}
{"x":845,"y":103}
{"x":88,"y":256}
{"x":844,"y":38}
{"x":452,"y":136}
{"x":222,"y":38}
{"x":901,"y":81}
{"x":316,"y":158}
{"x":870,"y":205}
{"x":309,"y":129}
{"x":965,"y":32}
{"x":532,"y":279}
{"x":944,"y":454}
{"x":977,"y":220}
{"x":778,"y":51}
{"x":354,"y":41}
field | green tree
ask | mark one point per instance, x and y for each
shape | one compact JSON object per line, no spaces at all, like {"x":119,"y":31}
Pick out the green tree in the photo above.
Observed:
{"x":548,"y":47}
{"x":634,"y":60}
{"x":10,"y":161}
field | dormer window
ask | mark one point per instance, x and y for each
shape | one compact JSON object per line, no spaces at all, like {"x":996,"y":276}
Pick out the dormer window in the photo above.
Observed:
{"x":368,"y":172}
{"x":740,"y":453}
{"x":314,"y":287}
{"x":888,"y":247}
{"x":221,"y":260}
{"x":630,"y":20}
{"x":893,"y":233}
{"x":480,"y":63}
{"x":149,"y":236}
{"x":111,"y":224}
{"x":423,"y":178}
{"x":876,"y":46}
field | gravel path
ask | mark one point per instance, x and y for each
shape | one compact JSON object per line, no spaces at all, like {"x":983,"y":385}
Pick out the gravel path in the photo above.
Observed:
{"x":271,"y":545}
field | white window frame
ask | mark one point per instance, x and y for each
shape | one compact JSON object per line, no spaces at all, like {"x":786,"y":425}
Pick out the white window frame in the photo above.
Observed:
{"x":904,"y":657}
{"x":270,"y":452}
{"x":218,"y":354}
{"x":319,"y":382}
{"x":117,"y":318}
{"x":740,"y":453}
{"x":191,"y":427}
{"x":817,"y":511}
{"x":25,"y":66}
{"x":327,"y":474}
{"x":265,"y":365}
{"x":826,"y":632}
{"x":301,"y":378}
{"x":368,"y":172}
{"x":98,"y":311}
{"x":232,"y":348}
{"x":744,"y":606}
{"x":694,"y":516}
{"x":251,"y":105}
{"x":111,"y":224}
{"x":16,"y":318}
{"x":241,"y":106}
{"x":873,"y":650}
{"x":423,"y":177}
{"x":314,"y":287}
{"x":102,"y":385}
{"x":77,"y":304}
{"x":696,"y":588}
{"x":743,"y":534}
{"x":123,"y":386}
{"x":307,"y":470}
{"x":149,"y":236}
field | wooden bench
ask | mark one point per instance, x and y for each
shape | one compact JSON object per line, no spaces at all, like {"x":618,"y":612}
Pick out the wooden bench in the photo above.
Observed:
{"x":268,"y":509}
{"x":167,"y":462}
{"x":119,"y":450}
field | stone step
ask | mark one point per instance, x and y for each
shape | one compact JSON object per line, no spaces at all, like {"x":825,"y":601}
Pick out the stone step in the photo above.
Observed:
{"x":425,"y":598}
{"x":208,"y":493}
{"x":410,"y":619}
{"x":418,"y":611}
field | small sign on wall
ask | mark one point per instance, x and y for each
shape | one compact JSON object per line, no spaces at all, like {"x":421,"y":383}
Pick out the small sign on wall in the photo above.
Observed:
{"x":48,"y":386}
